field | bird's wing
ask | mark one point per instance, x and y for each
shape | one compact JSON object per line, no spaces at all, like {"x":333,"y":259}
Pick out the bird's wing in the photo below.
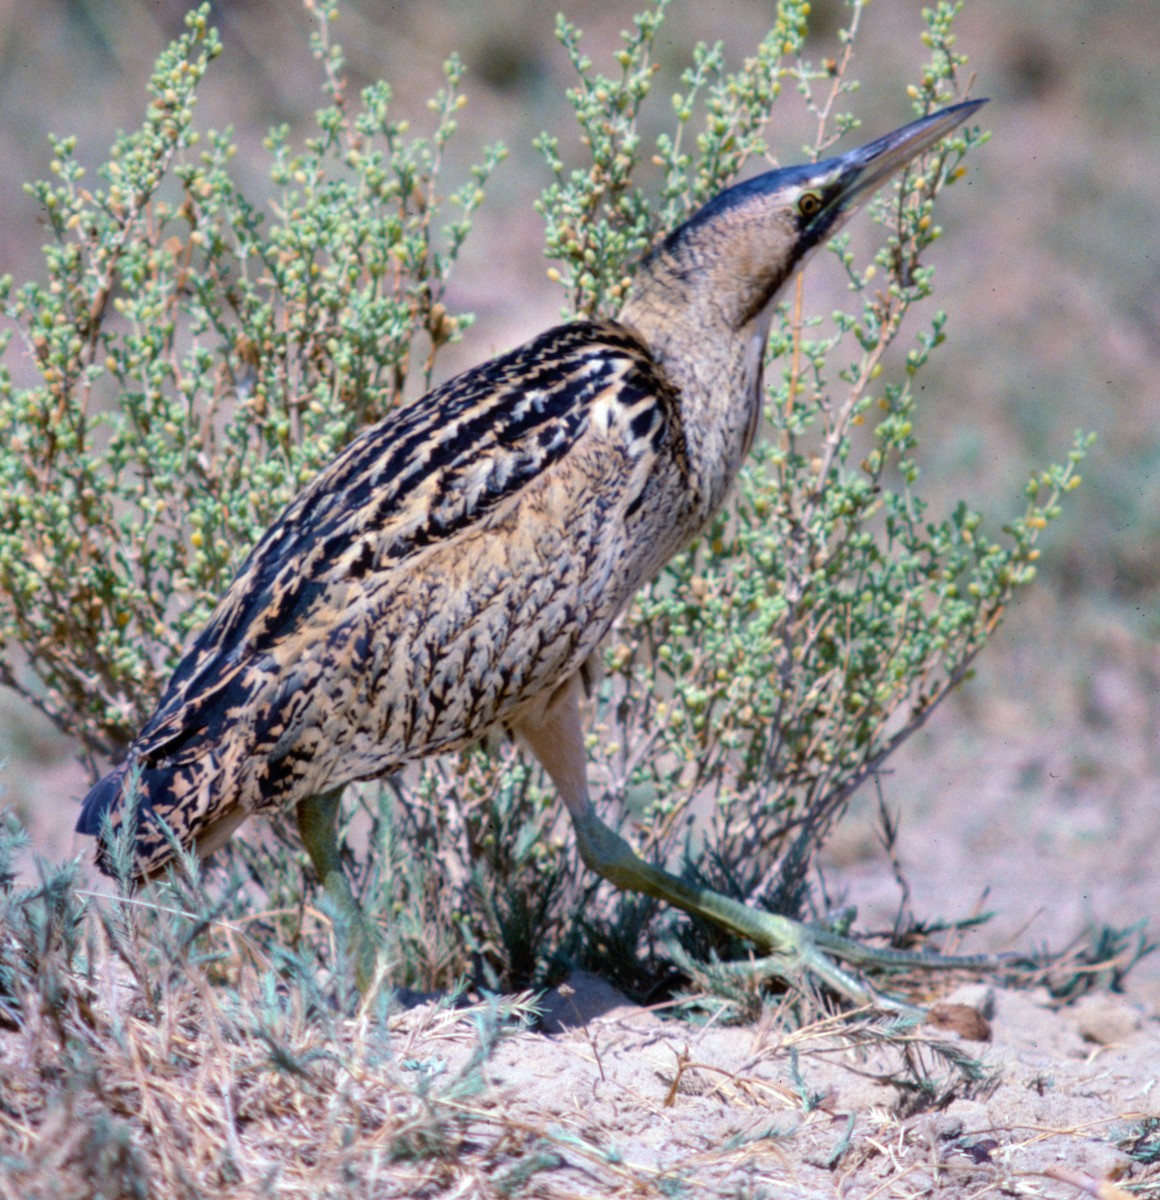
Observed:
{"x":426,"y":474}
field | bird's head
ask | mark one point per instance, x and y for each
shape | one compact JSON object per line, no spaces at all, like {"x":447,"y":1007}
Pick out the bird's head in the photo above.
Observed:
{"x":727,"y":262}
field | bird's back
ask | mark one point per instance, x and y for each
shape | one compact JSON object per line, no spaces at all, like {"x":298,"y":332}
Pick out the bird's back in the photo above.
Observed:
{"x":453,"y":566}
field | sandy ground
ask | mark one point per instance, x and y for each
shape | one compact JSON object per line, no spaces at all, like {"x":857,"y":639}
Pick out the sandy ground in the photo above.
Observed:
{"x":1053,"y":826}
{"x":631,"y":1104}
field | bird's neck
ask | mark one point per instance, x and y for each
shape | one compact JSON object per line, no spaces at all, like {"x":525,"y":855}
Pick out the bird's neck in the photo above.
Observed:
{"x":715,"y":367}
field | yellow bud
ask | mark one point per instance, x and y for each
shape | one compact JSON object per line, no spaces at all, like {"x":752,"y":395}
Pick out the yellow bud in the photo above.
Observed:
{"x":197,"y":539}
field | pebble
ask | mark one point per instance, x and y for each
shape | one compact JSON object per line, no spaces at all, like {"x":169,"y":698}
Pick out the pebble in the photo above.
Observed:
{"x":1106,"y":1019}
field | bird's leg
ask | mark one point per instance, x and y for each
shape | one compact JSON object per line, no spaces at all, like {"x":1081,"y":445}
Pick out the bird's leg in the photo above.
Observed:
{"x":318,"y":826}
{"x":794,"y":949}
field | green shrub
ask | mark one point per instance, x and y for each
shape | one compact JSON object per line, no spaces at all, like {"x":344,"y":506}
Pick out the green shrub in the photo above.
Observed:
{"x":202,"y":354}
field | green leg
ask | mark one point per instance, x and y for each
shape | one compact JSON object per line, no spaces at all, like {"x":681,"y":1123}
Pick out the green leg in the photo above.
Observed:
{"x":317,"y":823}
{"x":795,"y":950}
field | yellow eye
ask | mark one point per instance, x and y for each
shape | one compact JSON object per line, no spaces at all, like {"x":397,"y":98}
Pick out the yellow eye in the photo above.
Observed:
{"x":810,"y":204}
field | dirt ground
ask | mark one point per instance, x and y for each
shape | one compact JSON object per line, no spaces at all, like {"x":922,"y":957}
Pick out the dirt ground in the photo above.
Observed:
{"x":1053,"y":831}
{"x":643,"y":1105}
{"x":1035,"y":794}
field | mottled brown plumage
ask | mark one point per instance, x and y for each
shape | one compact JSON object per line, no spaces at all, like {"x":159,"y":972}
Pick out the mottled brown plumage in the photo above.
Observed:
{"x":452,"y":566}
{"x":451,"y":571}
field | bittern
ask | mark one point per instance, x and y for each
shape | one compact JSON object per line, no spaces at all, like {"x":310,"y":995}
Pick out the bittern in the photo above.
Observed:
{"x":454,"y":568}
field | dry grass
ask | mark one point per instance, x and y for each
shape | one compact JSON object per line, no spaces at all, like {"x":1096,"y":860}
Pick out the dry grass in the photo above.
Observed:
{"x":161,"y":1048}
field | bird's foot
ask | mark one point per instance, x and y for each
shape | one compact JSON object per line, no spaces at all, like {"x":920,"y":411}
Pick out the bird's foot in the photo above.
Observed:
{"x":797,"y":954}
{"x":792,"y":951}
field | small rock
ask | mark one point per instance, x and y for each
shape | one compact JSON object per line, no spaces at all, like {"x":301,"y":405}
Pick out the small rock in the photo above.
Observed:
{"x":1106,"y":1020}
{"x":979,"y":996}
{"x":943,"y":1127}
{"x":967,"y":1022}
{"x":971,"y":1116}
{"x":582,"y":999}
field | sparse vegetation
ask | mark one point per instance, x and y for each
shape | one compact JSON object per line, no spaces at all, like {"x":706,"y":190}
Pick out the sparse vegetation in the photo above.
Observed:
{"x":201,"y":357}
{"x":201,"y":353}
{"x":172,"y":1050}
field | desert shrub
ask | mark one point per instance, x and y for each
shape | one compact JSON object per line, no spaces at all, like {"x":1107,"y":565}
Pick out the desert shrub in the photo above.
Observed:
{"x":200,"y":354}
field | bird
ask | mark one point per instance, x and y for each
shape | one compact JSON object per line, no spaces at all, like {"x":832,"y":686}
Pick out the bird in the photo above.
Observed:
{"x":456,"y":568}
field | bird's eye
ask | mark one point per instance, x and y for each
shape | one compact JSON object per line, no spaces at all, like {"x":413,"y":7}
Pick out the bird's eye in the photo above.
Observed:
{"x":810,"y":204}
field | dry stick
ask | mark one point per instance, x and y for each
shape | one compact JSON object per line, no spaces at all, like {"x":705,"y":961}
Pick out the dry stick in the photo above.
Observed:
{"x":795,"y":357}
{"x":1102,"y":1189}
{"x":567,"y":992}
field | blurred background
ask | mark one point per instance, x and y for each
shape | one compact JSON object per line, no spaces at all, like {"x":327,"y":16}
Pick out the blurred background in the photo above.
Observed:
{"x":1037,"y":791}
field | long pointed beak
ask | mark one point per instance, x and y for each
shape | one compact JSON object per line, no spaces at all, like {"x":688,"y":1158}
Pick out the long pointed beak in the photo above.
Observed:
{"x":862,"y":170}
{"x":838,"y":182}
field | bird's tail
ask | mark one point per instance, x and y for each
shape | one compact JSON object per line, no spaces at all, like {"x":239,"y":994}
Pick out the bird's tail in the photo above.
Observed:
{"x":103,"y":797}
{"x":103,"y":812}
{"x":140,"y":814}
